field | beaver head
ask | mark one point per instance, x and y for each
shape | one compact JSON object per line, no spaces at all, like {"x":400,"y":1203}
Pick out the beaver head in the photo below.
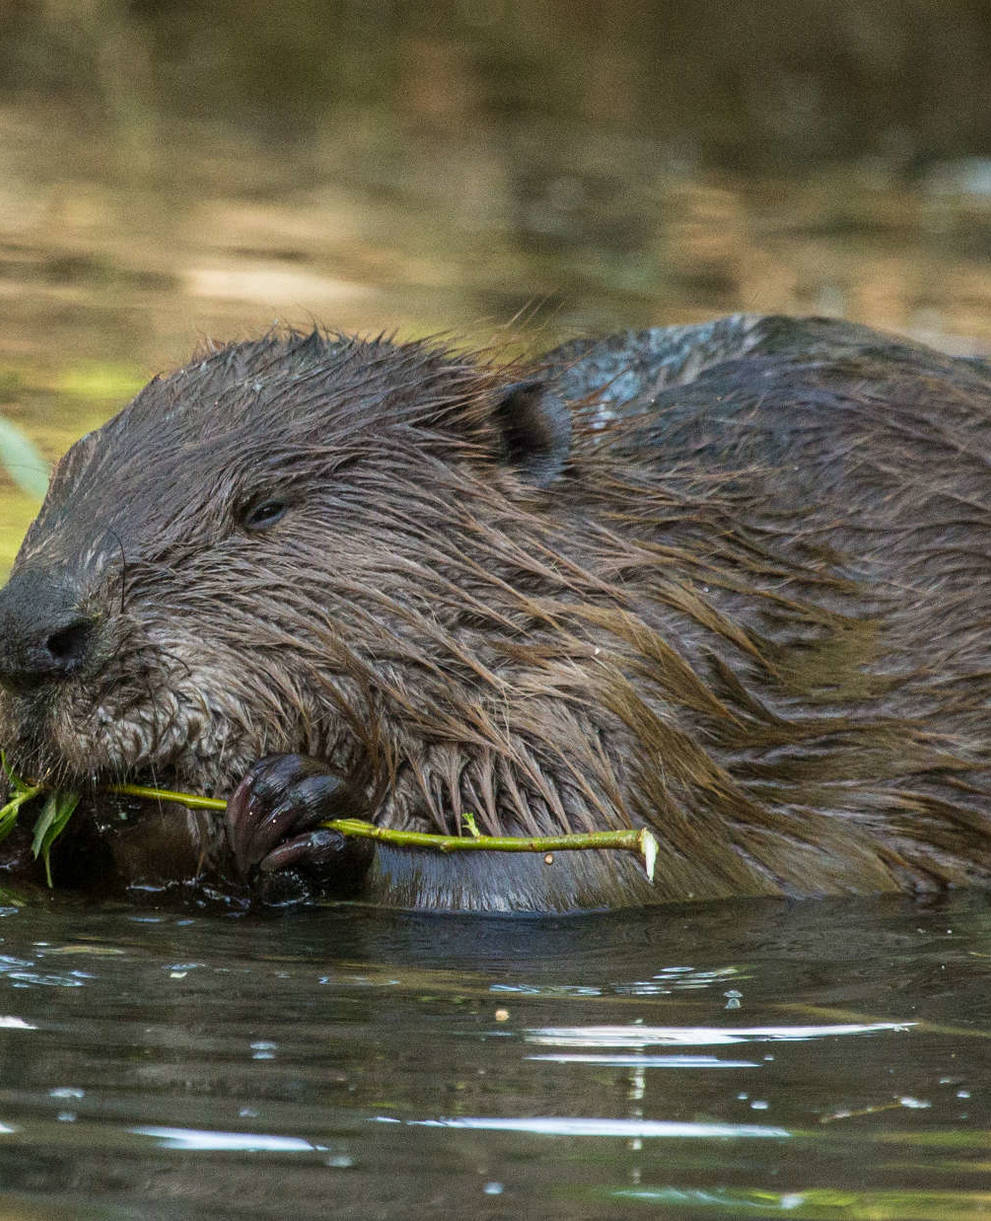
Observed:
{"x":312,"y":544}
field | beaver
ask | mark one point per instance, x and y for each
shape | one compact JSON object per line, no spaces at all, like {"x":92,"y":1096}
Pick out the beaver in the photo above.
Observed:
{"x":723,"y":581}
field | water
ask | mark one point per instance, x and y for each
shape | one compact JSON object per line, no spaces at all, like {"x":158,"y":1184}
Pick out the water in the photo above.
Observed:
{"x":515,"y":173}
{"x":816,"y":1059}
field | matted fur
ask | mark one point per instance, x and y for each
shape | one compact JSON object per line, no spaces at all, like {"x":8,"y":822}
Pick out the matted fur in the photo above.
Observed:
{"x":749,"y":613}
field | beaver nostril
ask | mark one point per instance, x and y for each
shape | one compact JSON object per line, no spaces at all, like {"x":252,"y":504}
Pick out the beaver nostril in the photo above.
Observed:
{"x":44,"y":636}
{"x":69,"y":645}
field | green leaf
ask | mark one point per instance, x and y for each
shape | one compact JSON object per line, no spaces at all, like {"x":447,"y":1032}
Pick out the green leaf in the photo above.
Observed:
{"x":470,"y":824}
{"x":22,"y":460}
{"x":8,"y":818}
{"x":52,"y":821}
{"x":22,"y":792}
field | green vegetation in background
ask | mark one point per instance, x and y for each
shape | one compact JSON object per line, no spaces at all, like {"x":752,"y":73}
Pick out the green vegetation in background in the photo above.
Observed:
{"x":19,"y":456}
{"x":54,"y":409}
{"x":17,"y":511}
{"x":22,"y":460}
{"x":100,"y":383}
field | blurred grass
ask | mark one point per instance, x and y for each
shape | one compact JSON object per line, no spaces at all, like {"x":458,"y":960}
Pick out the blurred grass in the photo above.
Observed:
{"x":22,"y":460}
{"x":43,"y":411}
{"x":100,"y":383}
{"x":17,"y":510}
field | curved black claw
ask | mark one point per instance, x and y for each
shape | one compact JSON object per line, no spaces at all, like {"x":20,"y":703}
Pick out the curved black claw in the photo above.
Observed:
{"x":273,"y":823}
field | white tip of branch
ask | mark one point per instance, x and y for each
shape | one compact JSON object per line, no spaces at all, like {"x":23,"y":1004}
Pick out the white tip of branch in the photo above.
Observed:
{"x":648,"y":849}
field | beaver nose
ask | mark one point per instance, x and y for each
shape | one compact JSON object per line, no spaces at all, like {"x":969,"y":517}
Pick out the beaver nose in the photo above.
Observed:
{"x":43,"y":636}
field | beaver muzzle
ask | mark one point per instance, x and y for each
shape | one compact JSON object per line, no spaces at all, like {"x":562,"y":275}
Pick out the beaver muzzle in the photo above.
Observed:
{"x":43,"y":636}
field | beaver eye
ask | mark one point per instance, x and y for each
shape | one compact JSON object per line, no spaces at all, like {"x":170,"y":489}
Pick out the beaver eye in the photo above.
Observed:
{"x":264,"y":514}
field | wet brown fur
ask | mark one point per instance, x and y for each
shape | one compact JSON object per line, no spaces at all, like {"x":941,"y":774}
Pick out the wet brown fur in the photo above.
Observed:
{"x":749,"y":612}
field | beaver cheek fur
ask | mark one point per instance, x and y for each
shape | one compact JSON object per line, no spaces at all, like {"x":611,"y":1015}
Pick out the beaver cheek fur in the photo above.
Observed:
{"x":726,"y":581}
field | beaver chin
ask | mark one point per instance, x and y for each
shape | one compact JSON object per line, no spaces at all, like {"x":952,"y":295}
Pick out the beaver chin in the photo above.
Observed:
{"x":65,"y":747}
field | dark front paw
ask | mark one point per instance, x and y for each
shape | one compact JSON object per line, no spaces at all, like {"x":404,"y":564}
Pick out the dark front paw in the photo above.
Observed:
{"x":273,"y":825}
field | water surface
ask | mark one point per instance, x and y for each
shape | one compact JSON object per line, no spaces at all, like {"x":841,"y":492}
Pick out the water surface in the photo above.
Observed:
{"x":819,"y":1059}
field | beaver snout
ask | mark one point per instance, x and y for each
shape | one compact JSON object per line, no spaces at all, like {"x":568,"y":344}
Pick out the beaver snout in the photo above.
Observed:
{"x":43,"y":635}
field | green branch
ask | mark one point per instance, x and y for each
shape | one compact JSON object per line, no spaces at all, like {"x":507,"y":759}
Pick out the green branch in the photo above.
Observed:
{"x":192,"y":801}
{"x":642,"y":841}
{"x":59,"y":807}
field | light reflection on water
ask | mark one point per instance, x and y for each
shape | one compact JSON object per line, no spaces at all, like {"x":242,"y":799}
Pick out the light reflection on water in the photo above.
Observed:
{"x":649,"y":1036}
{"x":228,"y":1142}
{"x":628,"y":1128}
{"x":390,"y":1065}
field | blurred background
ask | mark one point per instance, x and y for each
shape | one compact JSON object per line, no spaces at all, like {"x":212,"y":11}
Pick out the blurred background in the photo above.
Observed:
{"x":510,"y":170}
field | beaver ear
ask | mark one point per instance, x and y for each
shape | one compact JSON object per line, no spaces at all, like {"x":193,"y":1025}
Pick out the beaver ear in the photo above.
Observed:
{"x":535,"y":425}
